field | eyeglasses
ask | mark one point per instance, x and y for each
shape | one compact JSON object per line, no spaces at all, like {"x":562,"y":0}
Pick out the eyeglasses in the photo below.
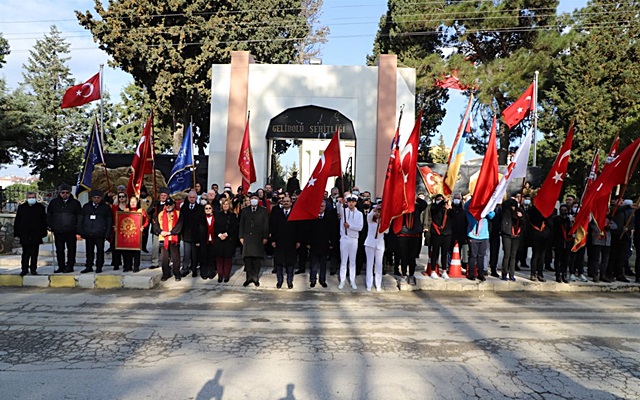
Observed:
{"x":122,"y":197}
{"x":208,"y":208}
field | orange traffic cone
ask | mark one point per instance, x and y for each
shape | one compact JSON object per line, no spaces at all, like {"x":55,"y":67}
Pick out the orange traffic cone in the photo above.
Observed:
{"x":455,"y":269}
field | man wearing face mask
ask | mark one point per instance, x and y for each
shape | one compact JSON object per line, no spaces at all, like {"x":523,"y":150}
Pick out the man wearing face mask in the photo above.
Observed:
{"x":192,"y":221}
{"x":285,"y":241}
{"x":410,"y":240}
{"x":253,"y":234}
{"x":62,"y":219}
{"x":30,"y":226}
{"x":361,"y":256}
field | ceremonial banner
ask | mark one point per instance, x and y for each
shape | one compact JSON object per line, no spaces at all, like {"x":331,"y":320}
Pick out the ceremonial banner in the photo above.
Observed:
{"x":128,"y":233}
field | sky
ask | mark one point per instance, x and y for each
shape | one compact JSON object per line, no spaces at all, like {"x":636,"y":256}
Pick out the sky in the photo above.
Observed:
{"x":353,"y":25}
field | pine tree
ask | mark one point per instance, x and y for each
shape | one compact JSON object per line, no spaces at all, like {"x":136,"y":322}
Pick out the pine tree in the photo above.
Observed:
{"x":56,"y":142}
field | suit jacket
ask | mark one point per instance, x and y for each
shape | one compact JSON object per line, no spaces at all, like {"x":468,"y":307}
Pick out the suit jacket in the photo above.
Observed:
{"x":285,"y":236}
{"x":253,"y":228}
{"x":30,"y":223}
{"x":193,"y":222}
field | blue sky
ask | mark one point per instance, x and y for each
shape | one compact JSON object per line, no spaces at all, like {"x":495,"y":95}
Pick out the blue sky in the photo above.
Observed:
{"x":353,"y":25}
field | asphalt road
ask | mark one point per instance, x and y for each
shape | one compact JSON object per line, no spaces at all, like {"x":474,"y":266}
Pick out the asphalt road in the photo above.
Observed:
{"x":256,"y":344}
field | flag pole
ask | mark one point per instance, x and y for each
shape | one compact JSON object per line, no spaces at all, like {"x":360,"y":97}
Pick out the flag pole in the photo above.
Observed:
{"x":101,"y":106}
{"x":586,"y":181}
{"x":104,"y":164}
{"x":535,"y":118}
{"x":193,"y":167}
{"x":153,"y":164}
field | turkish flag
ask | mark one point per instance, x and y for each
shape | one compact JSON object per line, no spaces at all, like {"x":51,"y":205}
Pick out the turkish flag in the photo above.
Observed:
{"x":308,"y":204}
{"x":596,"y":200}
{"x":394,"y":201}
{"x":520,"y":108}
{"x":487,"y":178}
{"x":545,"y":200}
{"x":83,"y":93}
{"x":143,"y":160}
{"x":432,"y":181}
{"x":245,"y":161}
{"x":409,"y":163}
{"x":614,"y":150}
{"x":451,"y":82}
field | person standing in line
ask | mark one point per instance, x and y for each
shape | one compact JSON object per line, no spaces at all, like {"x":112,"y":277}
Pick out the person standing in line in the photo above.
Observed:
{"x":374,"y":249}
{"x":192,"y":216}
{"x":208,"y":265}
{"x":563,"y":242}
{"x":152,"y":213}
{"x":253,"y":234}
{"x":351,"y":224}
{"x":94,"y":225}
{"x":478,"y":234}
{"x":293,"y":184}
{"x":601,"y":249}
{"x":168,"y":226}
{"x":539,"y":234}
{"x":121,"y":204}
{"x":285,"y":242}
{"x":510,"y":231}
{"x":494,"y":240}
{"x":440,"y":235}
{"x":323,"y":237}
{"x":30,"y":226}
{"x":62,"y":218}
{"x":410,"y":240}
{"x":225,"y":230}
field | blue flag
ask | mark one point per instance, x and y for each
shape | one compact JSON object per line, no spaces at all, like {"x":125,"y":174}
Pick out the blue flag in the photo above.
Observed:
{"x":181,"y":178}
{"x":93,"y":157}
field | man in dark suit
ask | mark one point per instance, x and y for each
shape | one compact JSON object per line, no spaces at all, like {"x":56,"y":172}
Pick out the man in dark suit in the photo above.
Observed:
{"x":193,"y":224}
{"x":94,"y":225}
{"x":322,"y":238}
{"x":62,"y":219}
{"x":30,"y":227}
{"x":285,"y":242}
{"x":253,"y":234}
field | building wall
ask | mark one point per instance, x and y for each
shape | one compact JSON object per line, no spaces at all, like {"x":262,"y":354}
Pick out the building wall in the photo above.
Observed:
{"x":352,"y":90}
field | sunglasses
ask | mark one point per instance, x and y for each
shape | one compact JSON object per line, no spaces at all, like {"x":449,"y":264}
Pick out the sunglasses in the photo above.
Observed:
{"x":122,"y":197}
{"x":65,"y":192}
{"x":208,"y":208}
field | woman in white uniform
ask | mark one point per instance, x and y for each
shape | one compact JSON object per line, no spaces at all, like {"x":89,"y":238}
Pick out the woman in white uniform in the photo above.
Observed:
{"x":374,"y":249}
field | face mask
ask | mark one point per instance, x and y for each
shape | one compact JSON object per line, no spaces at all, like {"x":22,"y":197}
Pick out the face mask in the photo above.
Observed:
{"x":253,"y":202}
{"x":366,"y":206}
{"x":527,"y":202}
{"x":203,"y":202}
{"x":31,"y":201}
{"x":456,"y":201}
{"x":355,"y":193}
{"x":227,"y":189}
{"x":421,"y":197}
{"x":438,"y":201}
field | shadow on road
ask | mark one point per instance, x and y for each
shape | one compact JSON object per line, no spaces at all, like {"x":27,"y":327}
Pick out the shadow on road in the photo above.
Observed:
{"x":212,"y":390}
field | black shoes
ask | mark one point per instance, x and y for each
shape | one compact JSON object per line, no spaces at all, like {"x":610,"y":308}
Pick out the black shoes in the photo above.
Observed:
{"x":622,"y":278}
{"x":99,"y":270}
{"x":279,"y":285}
{"x":219,"y":279}
{"x":23,"y":273}
{"x":312,"y":284}
{"x":116,"y":267}
{"x":471,"y":278}
{"x":323,"y":284}
{"x":184,"y":273}
{"x":256,"y":283}
{"x":273,"y":271}
{"x":246,"y":283}
{"x":533,"y":278}
{"x":136,"y":269}
{"x":290,"y":285}
{"x":226,"y":280}
{"x":59,"y":271}
{"x":178,"y":279}
{"x":495,"y":274}
{"x":68,"y":270}
{"x":481,"y":277}
{"x":541,"y":279}
{"x":194,"y":274}
{"x":154,"y":267}
{"x":86,"y":270}
{"x":164,"y":278}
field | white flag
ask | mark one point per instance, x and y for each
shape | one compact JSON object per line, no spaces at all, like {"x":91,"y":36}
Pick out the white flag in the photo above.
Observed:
{"x":517,"y":169}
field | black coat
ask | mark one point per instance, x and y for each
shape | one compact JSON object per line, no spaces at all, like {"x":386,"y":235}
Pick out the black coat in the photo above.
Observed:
{"x":284,"y":234}
{"x":30,"y":224}
{"x":253,"y":229}
{"x":225,"y":223}
{"x":511,"y":222}
{"x":411,"y":224}
{"x":322,"y":233}
{"x":63,"y":217}
{"x":95,"y":222}
{"x":193,"y":223}
{"x":438,"y":213}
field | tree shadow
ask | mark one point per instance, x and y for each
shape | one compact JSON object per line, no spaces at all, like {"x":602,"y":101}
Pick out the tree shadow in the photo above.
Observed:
{"x":212,"y":388}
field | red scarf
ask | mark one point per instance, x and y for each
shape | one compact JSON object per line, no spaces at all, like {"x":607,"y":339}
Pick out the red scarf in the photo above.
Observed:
{"x":167,"y":225}
{"x":210,"y":228}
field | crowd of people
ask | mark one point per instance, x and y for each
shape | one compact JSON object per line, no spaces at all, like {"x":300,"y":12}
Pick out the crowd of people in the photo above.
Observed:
{"x":200,"y":234}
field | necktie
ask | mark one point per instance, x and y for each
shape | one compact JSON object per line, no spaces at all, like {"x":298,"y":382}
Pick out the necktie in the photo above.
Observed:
{"x":286,"y":213}
{"x":253,"y":209}
{"x":191,"y":206}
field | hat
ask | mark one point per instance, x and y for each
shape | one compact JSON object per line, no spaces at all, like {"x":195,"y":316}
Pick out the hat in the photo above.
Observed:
{"x":64,"y":187}
{"x":95,"y":192}
{"x":122,"y":187}
{"x":165,"y":190}
{"x":253,"y":194}
{"x":352,"y":198}
{"x":627,"y":202}
{"x":240,"y":188}
{"x":169,"y":202}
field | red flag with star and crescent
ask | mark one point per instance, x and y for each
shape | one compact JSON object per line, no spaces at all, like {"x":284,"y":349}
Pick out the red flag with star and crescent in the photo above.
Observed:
{"x":520,"y":108}
{"x":83,"y":93}
{"x":143,"y":160}
{"x":308,"y":204}
{"x":545,"y":200}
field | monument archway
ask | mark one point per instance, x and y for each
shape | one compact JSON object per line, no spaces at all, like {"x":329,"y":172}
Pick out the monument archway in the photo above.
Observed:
{"x":310,"y":128}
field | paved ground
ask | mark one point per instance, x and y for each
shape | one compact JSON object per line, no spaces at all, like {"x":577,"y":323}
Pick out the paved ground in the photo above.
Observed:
{"x":233,"y":344}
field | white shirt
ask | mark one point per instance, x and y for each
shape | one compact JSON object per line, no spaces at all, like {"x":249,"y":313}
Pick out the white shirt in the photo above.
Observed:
{"x":372,"y":240}
{"x":354,"y":219}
